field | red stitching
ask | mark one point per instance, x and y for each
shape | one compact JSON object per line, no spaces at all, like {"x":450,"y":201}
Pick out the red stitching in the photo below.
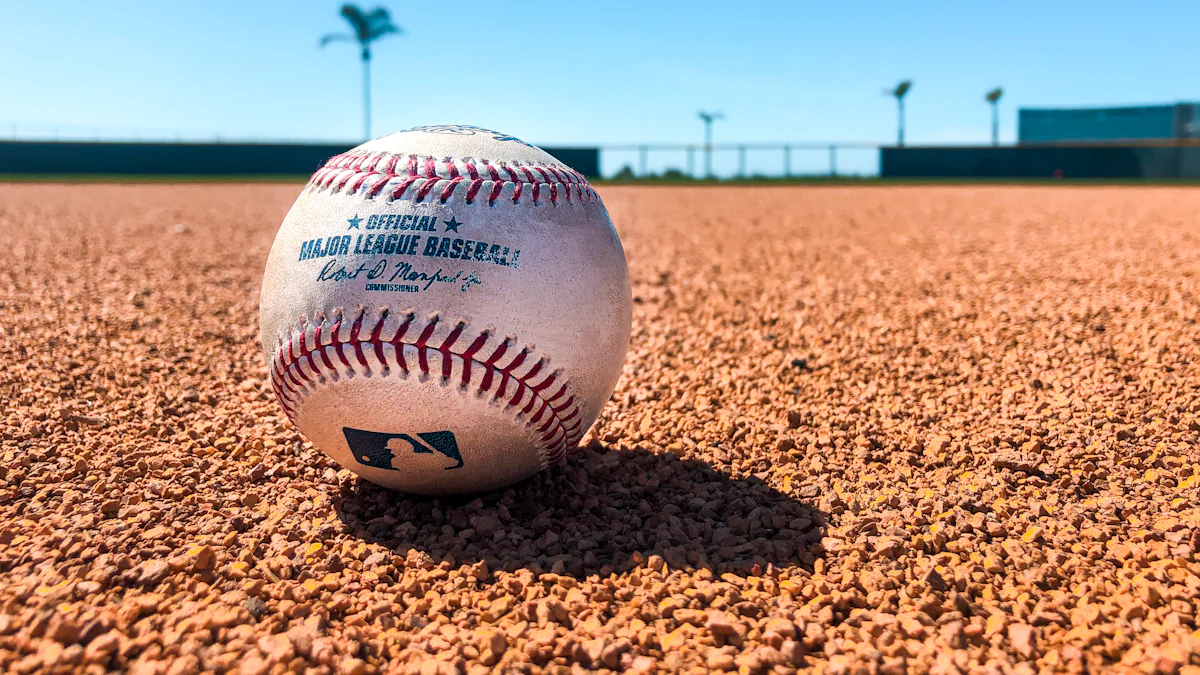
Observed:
{"x":497,"y":188}
{"x":423,"y":191}
{"x":422,"y":358}
{"x":504,"y":373}
{"x":497,"y":183}
{"x":352,"y":172}
{"x":469,"y":356}
{"x":360,"y":179}
{"x":486,"y":385}
{"x":474,"y":189}
{"x":449,"y":189}
{"x":552,"y":424}
{"x":447,"y":364}
{"x":402,"y":186}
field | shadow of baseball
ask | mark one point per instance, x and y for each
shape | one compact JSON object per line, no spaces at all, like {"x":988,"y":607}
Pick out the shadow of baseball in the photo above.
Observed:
{"x":604,"y":511}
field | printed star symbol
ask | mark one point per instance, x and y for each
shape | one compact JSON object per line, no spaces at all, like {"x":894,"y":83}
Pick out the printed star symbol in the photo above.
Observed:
{"x":452,"y":224}
{"x":354,"y":222}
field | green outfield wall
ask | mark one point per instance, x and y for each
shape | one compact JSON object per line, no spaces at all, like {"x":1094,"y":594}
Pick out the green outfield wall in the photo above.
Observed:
{"x":1133,"y":162}
{"x":201,"y":159}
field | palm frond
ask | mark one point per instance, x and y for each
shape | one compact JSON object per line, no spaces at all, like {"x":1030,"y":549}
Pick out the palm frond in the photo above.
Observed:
{"x":338,"y":37}
{"x":994,"y":95}
{"x":386,"y":30}
{"x":379,"y":15}
{"x":380,"y":23}
{"x":367,"y":26}
{"x":358,"y":20}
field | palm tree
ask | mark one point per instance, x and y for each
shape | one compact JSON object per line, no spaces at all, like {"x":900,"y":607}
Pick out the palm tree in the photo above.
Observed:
{"x":900,"y":92}
{"x":368,"y":27}
{"x":993,"y":97}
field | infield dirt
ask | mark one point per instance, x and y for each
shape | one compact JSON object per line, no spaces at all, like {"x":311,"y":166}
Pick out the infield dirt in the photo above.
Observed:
{"x":860,"y":430}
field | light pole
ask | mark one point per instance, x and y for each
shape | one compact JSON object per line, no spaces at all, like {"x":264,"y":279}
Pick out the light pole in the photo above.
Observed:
{"x":900,"y":92}
{"x":368,"y":27}
{"x":708,"y":118}
{"x":993,"y":97}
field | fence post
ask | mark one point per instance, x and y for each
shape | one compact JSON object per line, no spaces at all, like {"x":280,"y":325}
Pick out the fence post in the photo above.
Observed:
{"x":787,"y":161}
{"x":741,"y":161}
{"x":691,"y":161}
{"x":642,"y":152}
{"x":832,"y":160}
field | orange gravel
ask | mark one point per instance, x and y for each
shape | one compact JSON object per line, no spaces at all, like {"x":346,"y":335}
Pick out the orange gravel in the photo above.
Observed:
{"x":860,"y":430}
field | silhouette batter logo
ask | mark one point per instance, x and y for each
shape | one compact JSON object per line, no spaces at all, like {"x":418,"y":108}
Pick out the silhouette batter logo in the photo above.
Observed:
{"x":377,"y":449}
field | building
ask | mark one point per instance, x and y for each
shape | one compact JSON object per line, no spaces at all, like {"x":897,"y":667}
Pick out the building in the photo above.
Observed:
{"x":1084,"y":125}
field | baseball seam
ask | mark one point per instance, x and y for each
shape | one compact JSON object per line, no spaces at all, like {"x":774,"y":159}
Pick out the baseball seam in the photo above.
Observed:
{"x":371,"y":174}
{"x":305,"y":360}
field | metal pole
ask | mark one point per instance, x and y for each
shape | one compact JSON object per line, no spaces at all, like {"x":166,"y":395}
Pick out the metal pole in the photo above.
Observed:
{"x":787,"y":161}
{"x":366,"y":94}
{"x":708,"y":148}
{"x":833,"y":160}
{"x":741,"y":161}
{"x":642,"y":152}
{"x":995,"y":124}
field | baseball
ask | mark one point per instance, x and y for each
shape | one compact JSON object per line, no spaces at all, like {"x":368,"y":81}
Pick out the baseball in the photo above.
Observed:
{"x":445,"y":310}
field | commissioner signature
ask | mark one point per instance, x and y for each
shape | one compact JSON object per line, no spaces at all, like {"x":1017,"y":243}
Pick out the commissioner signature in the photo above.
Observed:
{"x":403,"y":273}
{"x":333,"y":272}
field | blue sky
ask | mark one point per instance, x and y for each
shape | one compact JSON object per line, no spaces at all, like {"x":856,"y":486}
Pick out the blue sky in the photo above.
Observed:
{"x":583,"y":72}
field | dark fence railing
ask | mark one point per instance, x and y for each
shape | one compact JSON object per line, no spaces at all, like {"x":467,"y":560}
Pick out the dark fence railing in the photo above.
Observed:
{"x":192,"y":159}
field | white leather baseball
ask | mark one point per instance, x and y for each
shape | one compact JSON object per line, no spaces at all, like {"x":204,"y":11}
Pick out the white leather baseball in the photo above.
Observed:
{"x":445,"y":310}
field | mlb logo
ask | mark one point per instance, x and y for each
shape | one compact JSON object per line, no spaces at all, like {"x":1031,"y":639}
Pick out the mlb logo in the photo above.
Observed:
{"x":377,"y":449}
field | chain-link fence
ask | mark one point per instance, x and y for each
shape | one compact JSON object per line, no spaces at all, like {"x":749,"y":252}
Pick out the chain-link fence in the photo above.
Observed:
{"x":739,"y":160}
{"x":630,"y":161}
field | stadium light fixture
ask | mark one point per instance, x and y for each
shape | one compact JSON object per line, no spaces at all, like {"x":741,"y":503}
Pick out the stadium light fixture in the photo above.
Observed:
{"x":900,"y":92}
